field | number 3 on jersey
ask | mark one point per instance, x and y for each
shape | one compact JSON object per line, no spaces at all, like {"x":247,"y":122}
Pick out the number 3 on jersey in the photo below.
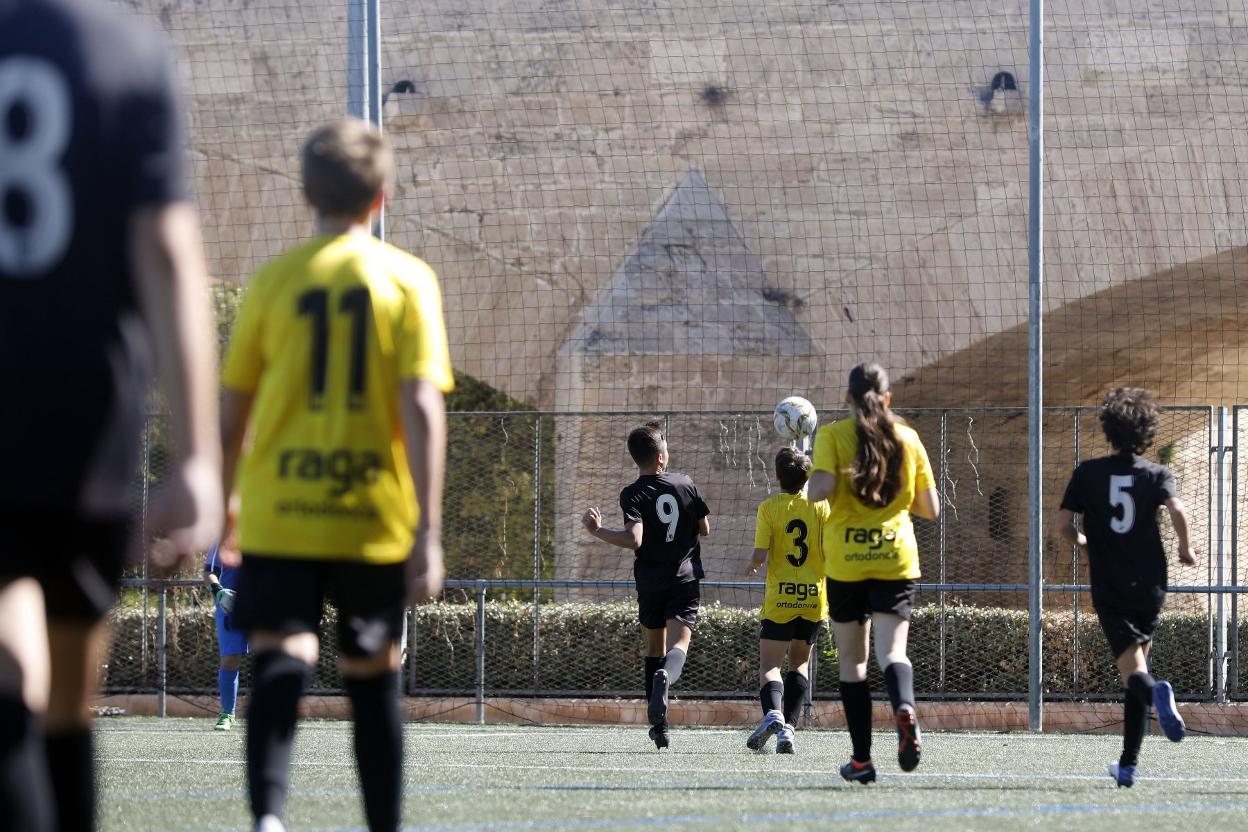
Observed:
{"x":354,"y":304}
{"x":669,"y":514}
{"x":798,"y":529}
{"x":1119,"y":496}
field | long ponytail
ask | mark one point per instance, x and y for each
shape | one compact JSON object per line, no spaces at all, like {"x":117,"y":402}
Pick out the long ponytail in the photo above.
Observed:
{"x":876,"y":472}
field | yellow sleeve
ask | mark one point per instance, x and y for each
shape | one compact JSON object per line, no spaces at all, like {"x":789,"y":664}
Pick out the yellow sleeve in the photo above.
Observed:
{"x":825,"y":451}
{"x":923,"y":478}
{"x":762,"y":529}
{"x":244,"y":358}
{"x":423,"y":350}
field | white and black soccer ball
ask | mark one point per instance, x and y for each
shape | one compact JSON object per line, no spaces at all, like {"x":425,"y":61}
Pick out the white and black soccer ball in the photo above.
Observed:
{"x":795,"y":419}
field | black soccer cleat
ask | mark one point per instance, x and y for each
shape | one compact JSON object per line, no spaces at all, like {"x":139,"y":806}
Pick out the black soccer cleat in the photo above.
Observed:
{"x":659,"y":734}
{"x":856,"y":772}
{"x":909,"y":746}
{"x":657,"y":709}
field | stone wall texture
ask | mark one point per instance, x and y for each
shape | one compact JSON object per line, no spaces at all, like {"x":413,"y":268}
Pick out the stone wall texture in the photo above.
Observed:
{"x":872,"y":178}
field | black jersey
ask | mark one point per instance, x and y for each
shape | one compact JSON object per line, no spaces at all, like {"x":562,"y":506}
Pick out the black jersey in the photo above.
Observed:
{"x":1118,"y":497}
{"x":668,"y":506}
{"x":89,"y":132}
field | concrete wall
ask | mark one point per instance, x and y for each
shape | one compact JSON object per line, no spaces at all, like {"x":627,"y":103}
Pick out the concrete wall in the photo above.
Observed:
{"x":854,"y":146}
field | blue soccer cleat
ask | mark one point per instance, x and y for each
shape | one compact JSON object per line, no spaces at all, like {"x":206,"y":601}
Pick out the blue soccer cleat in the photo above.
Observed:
{"x":784,"y":740}
{"x":1124,"y":776}
{"x":1168,"y":712}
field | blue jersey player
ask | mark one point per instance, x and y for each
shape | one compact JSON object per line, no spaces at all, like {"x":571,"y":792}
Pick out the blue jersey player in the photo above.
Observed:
{"x":231,"y":643}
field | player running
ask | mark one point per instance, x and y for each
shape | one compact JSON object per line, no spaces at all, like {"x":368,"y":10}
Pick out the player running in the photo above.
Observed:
{"x":222,"y":581}
{"x":1118,"y":497}
{"x":339,"y":363}
{"x":664,"y":515}
{"x":787,"y":537}
{"x":101,"y":270}
{"x":875,"y":472}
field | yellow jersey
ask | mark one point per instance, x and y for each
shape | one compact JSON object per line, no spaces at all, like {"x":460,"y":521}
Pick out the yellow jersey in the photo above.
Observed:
{"x":860,"y":541}
{"x":789,"y":526}
{"x":323,"y":338}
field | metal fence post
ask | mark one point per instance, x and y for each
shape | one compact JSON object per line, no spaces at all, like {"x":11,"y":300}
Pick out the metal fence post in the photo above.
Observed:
{"x":1234,"y":530}
{"x":357,"y":59}
{"x":1074,"y":579}
{"x":1035,"y":368}
{"x":1219,"y":669}
{"x":537,"y":549}
{"x":940,"y":529}
{"x":162,"y":643}
{"x":480,"y":686}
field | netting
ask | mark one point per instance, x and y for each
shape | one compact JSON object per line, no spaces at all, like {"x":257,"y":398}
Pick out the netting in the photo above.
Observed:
{"x":691,"y":210}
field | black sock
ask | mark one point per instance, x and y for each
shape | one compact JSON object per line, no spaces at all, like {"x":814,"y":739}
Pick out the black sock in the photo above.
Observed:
{"x":674,"y":663}
{"x":653,"y":664}
{"x":771,"y":696}
{"x":71,"y":768}
{"x":795,"y":687}
{"x":25,"y":792}
{"x":1134,"y":724}
{"x":856,"y":700}
{"x":899,"y":680}
{"x":278,"y":681}
{"x":1140,"y":685}
{"x":378,"y":748}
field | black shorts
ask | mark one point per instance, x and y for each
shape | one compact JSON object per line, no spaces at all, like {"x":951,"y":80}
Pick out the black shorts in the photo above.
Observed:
{"x":77,"y":561}
{"x":1125,"y":629}
{"x":680,"y":601}
{"x":799,"y":629}
{"x":856,"y":600}
{"x":287,"y":595}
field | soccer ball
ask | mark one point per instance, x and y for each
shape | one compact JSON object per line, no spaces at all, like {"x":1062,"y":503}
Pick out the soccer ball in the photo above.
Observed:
{"x":795,"y":418}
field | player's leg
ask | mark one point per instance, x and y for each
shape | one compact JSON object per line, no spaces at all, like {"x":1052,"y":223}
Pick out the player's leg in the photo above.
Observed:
{"x":232,"y":646}
{"x":851,"y":630}
{"x":370,"y":623}
{"x":25,"y":791}
{"x":78,"y":649}
{"x":681,"y":611}
{"x":650,"y":614}
{"x":279,"y":607}
{"x":78,"y":595}
{"x":891,"y":603}
{"x":771,"y":689}
{"x":796,"y":681}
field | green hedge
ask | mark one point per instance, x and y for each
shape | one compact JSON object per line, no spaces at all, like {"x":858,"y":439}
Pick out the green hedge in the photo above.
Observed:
{"x":596,"y":648}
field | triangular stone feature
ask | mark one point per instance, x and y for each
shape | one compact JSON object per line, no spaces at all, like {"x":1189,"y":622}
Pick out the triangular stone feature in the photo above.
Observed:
{"x":691,"y":286}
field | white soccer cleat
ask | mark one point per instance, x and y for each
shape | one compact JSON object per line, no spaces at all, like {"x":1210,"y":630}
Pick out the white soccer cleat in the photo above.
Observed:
{"x":270,"y":823}
{"x":784,"y":740}
{"x":771,"y":725}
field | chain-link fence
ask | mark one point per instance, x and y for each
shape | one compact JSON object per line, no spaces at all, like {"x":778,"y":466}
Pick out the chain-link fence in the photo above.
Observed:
{"x":540,"y":609}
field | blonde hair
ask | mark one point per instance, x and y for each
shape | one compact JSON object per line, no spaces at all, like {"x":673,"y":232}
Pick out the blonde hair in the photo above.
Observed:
{"x":346,"y":164}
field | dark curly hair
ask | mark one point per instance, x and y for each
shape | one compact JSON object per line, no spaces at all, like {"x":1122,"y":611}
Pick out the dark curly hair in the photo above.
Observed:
{"x":792,"y":469}
{"x":645,"y":442}
{"x":1129,"y":419}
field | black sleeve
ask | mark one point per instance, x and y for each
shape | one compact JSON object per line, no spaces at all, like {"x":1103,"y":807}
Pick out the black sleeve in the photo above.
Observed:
{"x":151,"y":133}
{"x":696,"y":504}
{"x":1072,"y":500}
{"x":630,"y":506}
{"x":1165,"y":485}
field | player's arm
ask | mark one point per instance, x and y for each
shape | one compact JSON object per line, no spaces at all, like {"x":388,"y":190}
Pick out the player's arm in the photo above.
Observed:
{"x":704,"y":525}
{"x":757,"y":559}
{"x":423,"y":408}
{"x":1182,"y":524}
{"x":926,"y":504}
{"x":820,"y":486}
{"x":627,"y":538}
{"x":171,"y":280}
{"x":1064,"y":525}
{"x":235,"y":412}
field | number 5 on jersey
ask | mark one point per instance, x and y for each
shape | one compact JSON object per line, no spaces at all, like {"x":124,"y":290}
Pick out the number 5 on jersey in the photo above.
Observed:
{"x":1120,"y":497}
